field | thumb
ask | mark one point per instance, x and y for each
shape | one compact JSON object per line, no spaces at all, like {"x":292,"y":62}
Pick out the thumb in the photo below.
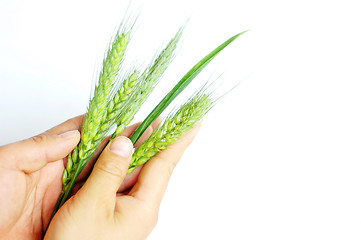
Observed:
{"x":109,"y":171}
{"x":34,"y":153}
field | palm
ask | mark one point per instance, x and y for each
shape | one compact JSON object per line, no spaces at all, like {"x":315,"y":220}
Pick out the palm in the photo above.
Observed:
{"x":32,"y":200}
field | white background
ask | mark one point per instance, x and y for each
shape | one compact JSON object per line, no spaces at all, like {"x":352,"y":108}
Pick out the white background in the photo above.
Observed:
{"x":279,"y":158}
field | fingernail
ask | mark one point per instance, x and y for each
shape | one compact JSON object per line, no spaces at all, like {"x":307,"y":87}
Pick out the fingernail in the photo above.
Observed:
{"x":121,"y":146}
{"x":69,"y":134}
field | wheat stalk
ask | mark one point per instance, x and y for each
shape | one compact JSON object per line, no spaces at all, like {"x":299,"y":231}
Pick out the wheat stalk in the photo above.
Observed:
{"x":150,"y":78}
{"x":95,"y":121}
{"x":172,"y":128}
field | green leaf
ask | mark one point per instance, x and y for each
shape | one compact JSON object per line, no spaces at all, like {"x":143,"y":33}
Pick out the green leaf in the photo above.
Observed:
{"x":181,"y":85}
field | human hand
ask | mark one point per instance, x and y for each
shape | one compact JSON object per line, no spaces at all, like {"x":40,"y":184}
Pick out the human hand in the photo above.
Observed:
{"x":100,"y":210}
{"x":30,"y":178}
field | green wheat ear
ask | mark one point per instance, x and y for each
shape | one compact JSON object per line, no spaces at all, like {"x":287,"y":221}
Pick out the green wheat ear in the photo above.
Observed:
{"x":149,"y":79}
{"x":95,"y":121}
{"x":121,"y":97}
{"x":173,"y":127}
{"x":97,"y":111}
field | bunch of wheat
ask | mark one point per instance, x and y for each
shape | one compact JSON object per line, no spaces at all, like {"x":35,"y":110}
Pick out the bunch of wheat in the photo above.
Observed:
{"x":117,"y":99}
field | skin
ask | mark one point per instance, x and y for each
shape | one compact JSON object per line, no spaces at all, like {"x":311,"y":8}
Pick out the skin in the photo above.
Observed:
{"x":110,"y":205}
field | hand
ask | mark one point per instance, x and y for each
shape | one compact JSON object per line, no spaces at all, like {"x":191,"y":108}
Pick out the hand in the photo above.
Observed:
{"x":30,"y":178}
{"x":99,"y":211}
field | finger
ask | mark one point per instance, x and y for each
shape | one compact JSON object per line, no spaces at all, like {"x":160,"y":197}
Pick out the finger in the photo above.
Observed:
{"x":84,"y":174}
{"x":130,"y":179}
{"x":128,"y":182}
{"x":154,"y":177}
{"x":34,"y":153}
{"x":108,"y":173}
{"x":127,"y":132}
{"x":71,"y":124}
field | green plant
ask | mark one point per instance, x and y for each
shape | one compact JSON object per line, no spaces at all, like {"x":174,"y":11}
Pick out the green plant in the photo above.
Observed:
{"x":116,"y":104}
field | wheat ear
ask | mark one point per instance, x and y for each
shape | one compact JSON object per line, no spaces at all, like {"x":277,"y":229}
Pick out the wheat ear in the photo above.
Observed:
{"x":91,"y":133}
{"x":172,"y":128}
{"x":150,"y":79}
{"x":121,"y":97}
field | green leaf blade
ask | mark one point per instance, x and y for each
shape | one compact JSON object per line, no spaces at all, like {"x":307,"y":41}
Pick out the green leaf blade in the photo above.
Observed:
{"x":181,"y":85}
